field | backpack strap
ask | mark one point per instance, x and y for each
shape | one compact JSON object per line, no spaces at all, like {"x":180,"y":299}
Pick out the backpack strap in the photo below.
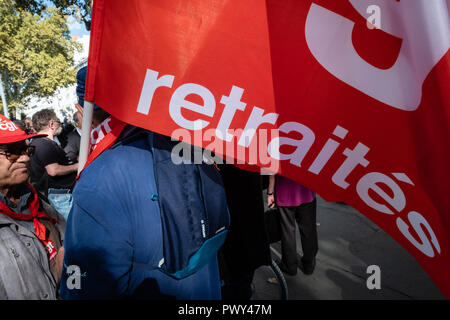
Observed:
{"x":193,"y":208}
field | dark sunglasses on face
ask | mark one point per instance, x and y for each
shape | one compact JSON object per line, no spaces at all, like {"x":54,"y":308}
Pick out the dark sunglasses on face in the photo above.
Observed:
{"x":13,"y":151}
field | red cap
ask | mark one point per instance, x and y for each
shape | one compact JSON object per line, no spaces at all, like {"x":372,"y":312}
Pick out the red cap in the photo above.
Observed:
{"x":9,"y":132}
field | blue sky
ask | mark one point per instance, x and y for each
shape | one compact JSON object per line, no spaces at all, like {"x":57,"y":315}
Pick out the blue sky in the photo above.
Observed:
{"x":76,"y":28}
{"x":78,"y":31}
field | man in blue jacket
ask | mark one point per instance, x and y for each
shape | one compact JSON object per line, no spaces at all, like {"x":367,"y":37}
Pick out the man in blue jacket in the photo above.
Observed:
{"x":116,"y":232}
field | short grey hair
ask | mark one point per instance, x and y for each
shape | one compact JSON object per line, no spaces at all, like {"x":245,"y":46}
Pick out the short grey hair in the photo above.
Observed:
{"x":42,"y":118}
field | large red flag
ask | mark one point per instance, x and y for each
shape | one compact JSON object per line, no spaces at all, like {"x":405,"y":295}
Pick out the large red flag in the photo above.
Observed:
{"x":349,"y":98}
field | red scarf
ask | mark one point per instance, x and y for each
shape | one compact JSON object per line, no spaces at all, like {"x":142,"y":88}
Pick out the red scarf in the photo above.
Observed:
{"x":103,"y":137}
{"x":39,"y":228}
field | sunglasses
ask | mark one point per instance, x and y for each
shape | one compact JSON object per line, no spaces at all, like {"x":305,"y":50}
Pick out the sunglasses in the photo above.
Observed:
{"x":13,"y":152}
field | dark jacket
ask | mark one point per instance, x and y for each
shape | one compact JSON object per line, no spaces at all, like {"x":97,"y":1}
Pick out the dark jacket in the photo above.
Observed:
{"x":115,"y":231}
{"x":72,"y":148}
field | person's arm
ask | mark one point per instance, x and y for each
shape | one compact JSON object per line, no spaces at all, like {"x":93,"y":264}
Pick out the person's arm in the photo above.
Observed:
{"x":71,"y":155}
{"x":270,"y":192}
{"x":55,"y":169}
{"x":73,"y":146}
{"x":49,"y":155}
{"x":71,"y":151}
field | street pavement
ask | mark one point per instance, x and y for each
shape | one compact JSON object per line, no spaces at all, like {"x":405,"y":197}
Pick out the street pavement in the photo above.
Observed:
{"x":348,"y":244}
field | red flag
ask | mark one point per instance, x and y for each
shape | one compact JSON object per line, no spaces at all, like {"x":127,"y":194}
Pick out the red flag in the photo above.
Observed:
{"x":346,"y":97}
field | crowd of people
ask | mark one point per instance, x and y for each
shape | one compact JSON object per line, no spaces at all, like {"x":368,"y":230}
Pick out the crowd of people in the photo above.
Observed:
{"x":133,"y":225}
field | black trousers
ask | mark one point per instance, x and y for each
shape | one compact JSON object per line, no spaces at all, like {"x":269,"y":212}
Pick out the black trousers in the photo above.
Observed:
{"x":246,"y":247}
{"x":305,"y":216}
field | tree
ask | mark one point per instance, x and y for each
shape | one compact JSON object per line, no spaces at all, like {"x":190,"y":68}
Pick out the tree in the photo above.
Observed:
{"x":36,"y":53}
{"x":80,"y":9}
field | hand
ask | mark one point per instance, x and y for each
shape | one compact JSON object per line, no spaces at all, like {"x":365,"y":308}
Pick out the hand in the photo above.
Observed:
{"x":271,"y":201}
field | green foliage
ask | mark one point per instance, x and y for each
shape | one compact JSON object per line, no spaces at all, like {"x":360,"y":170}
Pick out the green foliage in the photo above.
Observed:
{"x":80,"y":9}
{"x":36,"y":52}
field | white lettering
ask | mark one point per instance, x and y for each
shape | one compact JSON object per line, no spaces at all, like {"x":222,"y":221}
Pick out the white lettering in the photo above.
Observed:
{"x":189,"y":310}
{"x":178,"y":101}
{"x":74,"y":279}
{"x":232,"y":104}
{"x":329,"y":38}
{"x":374,"y":281}
{"x":354,"y":157}
{"x":151,"y":83}
{"x":370,"y":184}
{"x":256,"y":118}
{"x":8,"y":125}
{"x":417,"y":221}
{"x":303,"y":145}
{"x":374,"y":21}
{"x":215,"y":146}
{"x":327,"y":151}
{"x":181,"y":152}
{"x":370,"y":181}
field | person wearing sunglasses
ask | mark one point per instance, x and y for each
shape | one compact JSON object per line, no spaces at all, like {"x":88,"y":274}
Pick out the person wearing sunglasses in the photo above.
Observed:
{"x":31,"y":231}
{"x":50,"y":169}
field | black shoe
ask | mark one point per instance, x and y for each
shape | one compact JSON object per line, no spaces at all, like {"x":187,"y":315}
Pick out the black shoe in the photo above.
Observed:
{"x":285,"y":269}
{"x":308,"y":267}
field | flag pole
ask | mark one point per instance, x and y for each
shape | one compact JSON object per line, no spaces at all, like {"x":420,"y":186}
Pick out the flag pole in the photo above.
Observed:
{"x":5,"y":104}
{"x":88,"y":110}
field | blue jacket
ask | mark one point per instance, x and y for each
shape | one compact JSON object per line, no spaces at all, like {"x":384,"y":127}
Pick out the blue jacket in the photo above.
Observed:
{"x":114,"y":234}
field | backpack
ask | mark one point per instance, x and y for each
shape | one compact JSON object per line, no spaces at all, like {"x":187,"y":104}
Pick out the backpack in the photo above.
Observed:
{"x":193,"y":208}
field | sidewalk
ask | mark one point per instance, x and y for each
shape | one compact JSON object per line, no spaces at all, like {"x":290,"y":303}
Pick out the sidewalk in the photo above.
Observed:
{"x":348,"y":244}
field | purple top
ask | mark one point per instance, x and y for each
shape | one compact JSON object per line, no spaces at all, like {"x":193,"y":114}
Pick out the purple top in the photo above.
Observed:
{"x":289,"y":193}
